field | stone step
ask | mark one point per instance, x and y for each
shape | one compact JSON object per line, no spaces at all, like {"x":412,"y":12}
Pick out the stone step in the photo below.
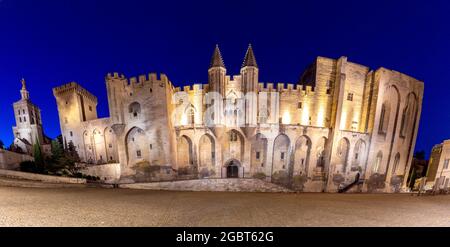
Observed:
{"x":11,"y":182}
{"x":232,"y":185}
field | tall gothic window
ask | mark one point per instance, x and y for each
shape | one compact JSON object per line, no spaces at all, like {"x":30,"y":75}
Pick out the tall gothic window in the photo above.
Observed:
{"x":233,"y":136}
{"x":384,"y":119}
{"x":378,"y":160}
{"x":191,"y":116}
{"x":407,"y":116}
{"x":321,"y":158}
{"x":396,"y":162}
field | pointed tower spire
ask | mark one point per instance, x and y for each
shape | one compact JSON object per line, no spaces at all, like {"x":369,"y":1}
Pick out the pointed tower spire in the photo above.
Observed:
{"x":249,"y":59}
{"x":24,"y":91}
{"x":216,"y":60}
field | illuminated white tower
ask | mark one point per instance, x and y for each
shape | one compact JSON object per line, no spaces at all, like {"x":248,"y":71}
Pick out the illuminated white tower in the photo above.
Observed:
{"x":28,"y":127}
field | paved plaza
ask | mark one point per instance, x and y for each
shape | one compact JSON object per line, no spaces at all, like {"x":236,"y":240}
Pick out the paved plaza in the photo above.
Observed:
{"x":126,"y":207}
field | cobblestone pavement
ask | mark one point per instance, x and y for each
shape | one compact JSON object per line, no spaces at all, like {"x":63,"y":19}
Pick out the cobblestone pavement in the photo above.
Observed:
{"x":122,"y":207}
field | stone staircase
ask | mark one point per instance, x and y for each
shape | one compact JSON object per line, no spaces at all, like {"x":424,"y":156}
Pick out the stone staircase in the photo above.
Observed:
{"x":219,"y":184}
{"x":14,"y":182}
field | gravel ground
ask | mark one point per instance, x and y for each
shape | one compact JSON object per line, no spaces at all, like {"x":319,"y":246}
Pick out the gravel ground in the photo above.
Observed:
{"x":123,"y":207}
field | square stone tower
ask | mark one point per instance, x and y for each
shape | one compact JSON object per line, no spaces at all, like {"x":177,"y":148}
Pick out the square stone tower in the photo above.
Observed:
{"x":28,"y":130}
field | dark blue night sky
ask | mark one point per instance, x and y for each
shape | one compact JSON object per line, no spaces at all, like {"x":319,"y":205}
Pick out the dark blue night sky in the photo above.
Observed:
{"x":55,"y":42}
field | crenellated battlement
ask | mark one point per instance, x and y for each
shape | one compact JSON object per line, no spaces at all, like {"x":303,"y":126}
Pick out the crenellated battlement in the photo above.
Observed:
{"x":139,"y":81}
{"x":73,"y":87}
{"x":194,"y":88}
{"x":287,"y":88}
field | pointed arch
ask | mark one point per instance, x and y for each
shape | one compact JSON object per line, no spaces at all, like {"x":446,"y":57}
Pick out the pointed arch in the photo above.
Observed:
{"x":320,"y":150}
{"x":392,"y":95}
{"x":235,"y":145}
{"x":396,"y":164}
{"x":134,"y":109}
{"x":377,"y":165}
{"x":414,"y":123}
{"x":137,"y":147}
{"x":190,"y":112}
{"x":302,"y":155}
{"x":342,"y":155}
{"x":185,"y":159}
{"x":88,"y":147}
{"x":408,"y":114}
{"x":99,"y":146}
{"x":281,"y":153}
{"x":110,"y":145}
{"x":258,"y":153}
{"x":207,"y":154}
{"x":359,"y":154}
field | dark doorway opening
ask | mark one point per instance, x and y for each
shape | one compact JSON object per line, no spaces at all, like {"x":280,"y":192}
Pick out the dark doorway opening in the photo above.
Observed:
{"x":233,"y":170}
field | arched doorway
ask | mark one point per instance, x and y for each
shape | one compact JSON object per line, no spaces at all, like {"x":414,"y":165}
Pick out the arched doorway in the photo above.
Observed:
{"x":302,"y":155}
{"x":258,"y":153}
{"x":185,"y":156}
{"x":137,"y":147}
{"x":207,"y":155}
{"x":342,"y":154}
{"x":232,"y":169}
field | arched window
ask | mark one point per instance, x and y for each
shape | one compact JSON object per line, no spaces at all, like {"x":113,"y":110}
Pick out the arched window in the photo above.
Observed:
{"x":396,"y":162}
{"x":384,"y":119}
{"x":408,"y":115}
{"x":404,"y":122}
{"x":378,"y":160}
{"x":321,"y":152}
{"x":233,"y":136}
{"x":134,"y":109}
{"x":191,"y":116}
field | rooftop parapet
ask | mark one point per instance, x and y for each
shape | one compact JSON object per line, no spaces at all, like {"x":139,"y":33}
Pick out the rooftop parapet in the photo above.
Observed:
{"x":195,"y":88}
{"x":73,"y":87}
{"x":139,"y":80}
{"x":286,"y":88}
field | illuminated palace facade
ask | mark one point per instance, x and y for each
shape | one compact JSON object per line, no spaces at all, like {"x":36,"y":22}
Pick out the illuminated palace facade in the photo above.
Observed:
{"x":342,"y":124}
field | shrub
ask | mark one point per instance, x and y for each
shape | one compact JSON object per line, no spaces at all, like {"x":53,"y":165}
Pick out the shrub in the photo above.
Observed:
{"x":28,"y":166}
{"x":31,"y":166}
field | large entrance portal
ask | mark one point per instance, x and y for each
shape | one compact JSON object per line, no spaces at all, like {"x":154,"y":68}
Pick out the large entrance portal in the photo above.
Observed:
{"x":233,"y":169}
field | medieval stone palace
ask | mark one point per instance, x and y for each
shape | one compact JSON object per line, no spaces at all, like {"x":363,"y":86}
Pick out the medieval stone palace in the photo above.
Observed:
{"x":341,"y":124}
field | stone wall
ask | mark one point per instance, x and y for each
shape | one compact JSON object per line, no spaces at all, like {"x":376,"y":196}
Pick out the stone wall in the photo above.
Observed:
{"x":42,"y":178}
{"x":10,"y":160}
{"x":108,"y":173}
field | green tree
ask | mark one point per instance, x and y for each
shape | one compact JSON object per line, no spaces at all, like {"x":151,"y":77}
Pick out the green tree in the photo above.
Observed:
{"x":72,"y":152}
{"x":71,"y":157}
{"x":56,"y":161}
{"x":38,"y":156}
{"x":57,"y":150}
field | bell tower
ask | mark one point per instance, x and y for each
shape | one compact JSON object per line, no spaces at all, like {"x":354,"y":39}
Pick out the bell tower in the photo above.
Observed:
{"x":249,"y":75}
{"x":217,"y":73}
{"x":28,"y":119}
{"x":249,"y":71}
